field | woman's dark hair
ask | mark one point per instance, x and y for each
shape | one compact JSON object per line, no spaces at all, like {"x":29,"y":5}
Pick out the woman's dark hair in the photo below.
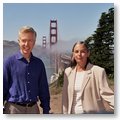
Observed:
{"x":73,"y":61}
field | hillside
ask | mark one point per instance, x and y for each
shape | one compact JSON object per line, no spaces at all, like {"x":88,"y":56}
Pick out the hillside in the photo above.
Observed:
{"x":56,"y":98}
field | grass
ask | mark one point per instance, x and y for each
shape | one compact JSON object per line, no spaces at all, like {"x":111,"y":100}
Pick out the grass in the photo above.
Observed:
{"x":54,"y":88}
{"x":111,"y":83}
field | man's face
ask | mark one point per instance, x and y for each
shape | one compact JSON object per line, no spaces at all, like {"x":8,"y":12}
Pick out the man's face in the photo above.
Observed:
{"x":26,"y":43}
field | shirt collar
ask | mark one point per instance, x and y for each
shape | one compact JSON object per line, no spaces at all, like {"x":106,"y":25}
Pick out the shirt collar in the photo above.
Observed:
{"x":20,"y":56}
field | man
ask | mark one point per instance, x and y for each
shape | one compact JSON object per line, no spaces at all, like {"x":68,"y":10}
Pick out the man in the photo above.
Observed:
{"x":24,"y":78}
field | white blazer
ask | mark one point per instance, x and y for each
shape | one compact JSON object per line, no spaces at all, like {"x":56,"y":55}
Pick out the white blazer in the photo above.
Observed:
{"x":94,"y":89}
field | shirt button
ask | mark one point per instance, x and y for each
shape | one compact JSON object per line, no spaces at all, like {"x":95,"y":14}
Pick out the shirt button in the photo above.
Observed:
{"x":29,"y":91}
{"x":28,"y":82}
{"x":28,"y":73}
{"x":30,"y":100}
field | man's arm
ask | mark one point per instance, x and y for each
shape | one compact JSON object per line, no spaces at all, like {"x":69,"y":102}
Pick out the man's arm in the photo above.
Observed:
{"x":44,"y":95}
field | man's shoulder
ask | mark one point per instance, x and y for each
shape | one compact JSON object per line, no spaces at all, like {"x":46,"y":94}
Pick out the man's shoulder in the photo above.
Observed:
{"x":39,"y":60}
{"x":36,"y":58}
{"x":10,"y":58}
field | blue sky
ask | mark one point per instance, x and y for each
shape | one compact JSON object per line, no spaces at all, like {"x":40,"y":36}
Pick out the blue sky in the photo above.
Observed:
{"x":75,"y":20}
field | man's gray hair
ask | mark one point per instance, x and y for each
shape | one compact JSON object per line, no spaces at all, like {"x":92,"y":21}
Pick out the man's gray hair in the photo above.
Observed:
{"x":26,"y":29}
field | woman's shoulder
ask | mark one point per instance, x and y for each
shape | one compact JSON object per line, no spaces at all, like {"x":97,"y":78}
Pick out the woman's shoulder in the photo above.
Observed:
{"x":97,"y":68}
{"x":68,"y":70}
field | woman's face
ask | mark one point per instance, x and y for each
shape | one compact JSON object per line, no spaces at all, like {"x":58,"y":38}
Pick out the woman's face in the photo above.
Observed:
{"x":80,"y":54}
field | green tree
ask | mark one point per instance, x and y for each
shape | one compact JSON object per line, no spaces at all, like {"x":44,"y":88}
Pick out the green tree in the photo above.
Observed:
{"x":102,"y":42}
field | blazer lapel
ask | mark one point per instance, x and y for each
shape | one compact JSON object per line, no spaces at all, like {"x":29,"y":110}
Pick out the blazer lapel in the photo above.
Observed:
{"x":85,"y":80}
{"x":87,"y":76}
{"x":71,"y":87}
{"x":72,"y":76}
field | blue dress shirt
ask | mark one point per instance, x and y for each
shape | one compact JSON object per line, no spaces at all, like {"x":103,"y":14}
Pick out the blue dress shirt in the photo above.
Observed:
{"x":25,"y":81}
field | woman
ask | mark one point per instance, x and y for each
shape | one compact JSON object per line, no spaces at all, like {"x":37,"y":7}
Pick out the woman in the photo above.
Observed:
{"x":85,"y":85}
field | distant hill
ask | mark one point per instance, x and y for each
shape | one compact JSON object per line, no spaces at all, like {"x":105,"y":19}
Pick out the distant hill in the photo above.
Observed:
{"x":9,"y":48}
{"x":60,"y":47}
{"x":7,"y":43}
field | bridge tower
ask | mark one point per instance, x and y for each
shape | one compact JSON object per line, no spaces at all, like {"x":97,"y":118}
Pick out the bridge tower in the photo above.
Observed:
{"x":53,"y":41}
{"x":53,"y":32}
{"x":44,"y":41}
